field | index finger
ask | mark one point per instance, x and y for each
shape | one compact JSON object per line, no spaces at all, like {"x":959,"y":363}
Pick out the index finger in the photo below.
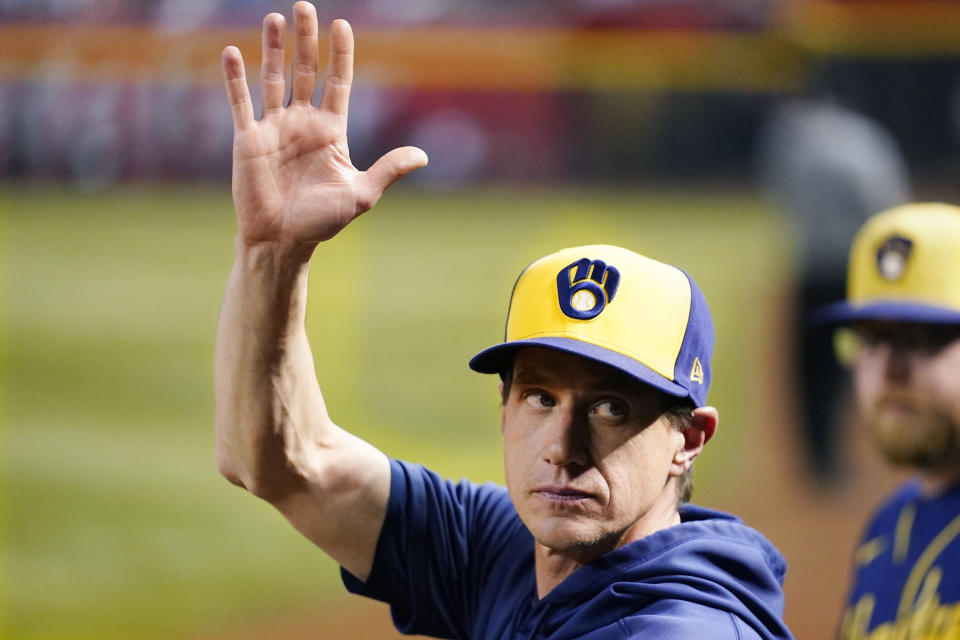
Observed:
{"x":336,"y":87}
{"x":238,"y":92}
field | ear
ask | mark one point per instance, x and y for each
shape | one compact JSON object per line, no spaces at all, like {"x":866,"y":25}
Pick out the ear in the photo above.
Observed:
{"x":702,"y":428}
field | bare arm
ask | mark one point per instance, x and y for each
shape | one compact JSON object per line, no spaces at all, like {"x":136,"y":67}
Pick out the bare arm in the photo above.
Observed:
{"x":293,"y":188}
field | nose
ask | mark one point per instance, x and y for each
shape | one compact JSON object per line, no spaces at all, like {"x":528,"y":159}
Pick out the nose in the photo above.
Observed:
{"x":898,"y":363}
{"x":566,"y":438}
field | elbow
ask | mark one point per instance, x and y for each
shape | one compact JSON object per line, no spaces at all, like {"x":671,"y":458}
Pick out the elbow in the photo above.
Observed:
{"x":228,"y":468}
{"x":236,"y":460}
{"x":263,"y":476}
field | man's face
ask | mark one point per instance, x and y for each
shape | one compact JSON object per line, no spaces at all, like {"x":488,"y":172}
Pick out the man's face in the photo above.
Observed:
{"x":907,"y":381}
{"x":587,"y":452}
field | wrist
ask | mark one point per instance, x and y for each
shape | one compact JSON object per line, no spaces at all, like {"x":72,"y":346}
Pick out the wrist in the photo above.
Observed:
{"x":274,"y":255}
{"x":272,"y":273}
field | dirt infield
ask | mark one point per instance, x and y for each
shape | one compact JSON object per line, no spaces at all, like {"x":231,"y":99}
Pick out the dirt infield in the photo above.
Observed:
{"x":361,"y":619}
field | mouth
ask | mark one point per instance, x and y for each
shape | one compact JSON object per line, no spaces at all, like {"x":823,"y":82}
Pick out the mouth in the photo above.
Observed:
{"x":896,"y":406}
{"x":562,"y":496}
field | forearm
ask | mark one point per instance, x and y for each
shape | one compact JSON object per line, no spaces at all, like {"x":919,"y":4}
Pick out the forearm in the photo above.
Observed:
{"x":273,"y":434}
{"x":268,"y":405}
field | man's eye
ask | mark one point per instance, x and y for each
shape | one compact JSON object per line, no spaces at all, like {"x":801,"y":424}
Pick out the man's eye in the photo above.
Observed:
{"x":610,"y":409}
{"x":539,"y":400}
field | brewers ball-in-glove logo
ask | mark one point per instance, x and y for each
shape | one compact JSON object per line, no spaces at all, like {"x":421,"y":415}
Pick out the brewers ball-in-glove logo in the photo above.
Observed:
{"x":892,"y":257}
{"x":584,"y":294}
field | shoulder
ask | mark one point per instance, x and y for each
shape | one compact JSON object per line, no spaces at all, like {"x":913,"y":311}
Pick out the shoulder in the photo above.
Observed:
{"x":411,"y":482}
{"x":475,"y":516}
{"x":885,"y":515}
{"x":723,"y":533}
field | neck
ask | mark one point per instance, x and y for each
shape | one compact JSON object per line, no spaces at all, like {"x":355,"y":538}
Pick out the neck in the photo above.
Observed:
{"x":936,"y":481}
{"x":553,"y":566}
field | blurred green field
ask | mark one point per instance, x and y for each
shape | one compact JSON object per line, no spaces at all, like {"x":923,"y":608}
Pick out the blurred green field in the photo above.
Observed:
{"x":115,"y":521}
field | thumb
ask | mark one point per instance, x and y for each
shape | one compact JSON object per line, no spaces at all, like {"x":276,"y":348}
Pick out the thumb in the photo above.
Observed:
{"x":392,"y":166}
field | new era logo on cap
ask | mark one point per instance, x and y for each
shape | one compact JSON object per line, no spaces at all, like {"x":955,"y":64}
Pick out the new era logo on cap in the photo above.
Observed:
{"x":696,"y":373}
{"x":614,"y":306}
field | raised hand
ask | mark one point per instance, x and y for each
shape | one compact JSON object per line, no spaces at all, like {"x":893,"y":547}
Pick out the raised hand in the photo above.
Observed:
{"x":293,"y":181}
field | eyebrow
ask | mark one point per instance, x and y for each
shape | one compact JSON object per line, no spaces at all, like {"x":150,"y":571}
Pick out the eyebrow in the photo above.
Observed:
{"x":605,"y":381}
{"x":617,"y":383}
{"x":523,"y":376}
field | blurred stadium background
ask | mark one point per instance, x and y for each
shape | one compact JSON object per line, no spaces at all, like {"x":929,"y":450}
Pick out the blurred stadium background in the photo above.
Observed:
{"x":548,"y":123}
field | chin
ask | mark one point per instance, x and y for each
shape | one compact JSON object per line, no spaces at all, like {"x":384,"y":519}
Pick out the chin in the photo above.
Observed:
{"x":923,"y":442}
{"x":567,"y":535}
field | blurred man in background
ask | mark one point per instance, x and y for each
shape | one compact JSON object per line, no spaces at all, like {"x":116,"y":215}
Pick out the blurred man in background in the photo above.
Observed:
{"x":903,"y":309}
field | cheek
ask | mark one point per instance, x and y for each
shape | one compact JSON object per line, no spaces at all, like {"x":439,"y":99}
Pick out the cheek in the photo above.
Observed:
{"x":510,"y":456}
{"x":943,"y":383}
{"x":867,"y":381}
{"x":518,"y":450}
{"x":634,"y":487}
{"x":639,"y":468}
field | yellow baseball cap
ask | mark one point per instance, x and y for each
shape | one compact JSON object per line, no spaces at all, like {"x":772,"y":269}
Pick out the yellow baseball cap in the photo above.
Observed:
{"x":904,"y":266}
{"x":611,"y":305}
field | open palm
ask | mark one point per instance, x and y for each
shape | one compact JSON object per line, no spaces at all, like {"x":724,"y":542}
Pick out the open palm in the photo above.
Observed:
{"x":293,"y":181}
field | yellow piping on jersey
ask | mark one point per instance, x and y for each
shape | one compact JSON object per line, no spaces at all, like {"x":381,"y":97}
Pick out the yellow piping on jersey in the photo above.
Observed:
{"x":868,"y":551}
{"x":923,"y":564}
{"x":901,"y":539}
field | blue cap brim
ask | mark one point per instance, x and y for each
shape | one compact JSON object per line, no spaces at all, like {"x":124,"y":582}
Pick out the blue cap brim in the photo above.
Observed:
{"x":840,"y":313}
{"x":499,"y":358}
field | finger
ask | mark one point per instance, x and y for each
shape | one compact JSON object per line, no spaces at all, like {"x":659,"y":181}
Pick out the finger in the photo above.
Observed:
{"x":336,"y":88}
{"x":391,"y":167}
{"x":271,"y":71}
{"x":304,"y":52}
{"x":237,"y":91}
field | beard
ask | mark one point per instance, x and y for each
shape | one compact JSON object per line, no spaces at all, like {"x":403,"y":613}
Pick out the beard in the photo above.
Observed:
{"x":913,"y":435}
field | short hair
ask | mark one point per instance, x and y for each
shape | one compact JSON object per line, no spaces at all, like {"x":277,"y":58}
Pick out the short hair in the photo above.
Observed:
{"x":678,"y":412}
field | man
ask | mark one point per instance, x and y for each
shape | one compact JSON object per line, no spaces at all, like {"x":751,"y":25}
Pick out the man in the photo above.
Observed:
{"x":605,"y":373}
{"x":903,"y":307}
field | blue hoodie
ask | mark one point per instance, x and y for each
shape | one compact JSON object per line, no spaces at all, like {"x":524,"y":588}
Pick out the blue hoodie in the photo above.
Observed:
{"x":454,"y":560}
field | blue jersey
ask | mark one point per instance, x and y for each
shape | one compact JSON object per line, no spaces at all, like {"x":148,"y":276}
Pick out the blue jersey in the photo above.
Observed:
{"x":455,"y":561}
{"x":907,"y":570}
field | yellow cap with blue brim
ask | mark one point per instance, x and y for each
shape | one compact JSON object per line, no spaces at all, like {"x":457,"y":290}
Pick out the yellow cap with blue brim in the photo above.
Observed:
{"x":611,"y":305}
{"x":904,"y":267}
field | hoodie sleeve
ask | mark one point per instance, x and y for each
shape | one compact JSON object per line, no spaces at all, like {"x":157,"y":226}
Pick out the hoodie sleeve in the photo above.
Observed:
{"x":426,"y":560}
